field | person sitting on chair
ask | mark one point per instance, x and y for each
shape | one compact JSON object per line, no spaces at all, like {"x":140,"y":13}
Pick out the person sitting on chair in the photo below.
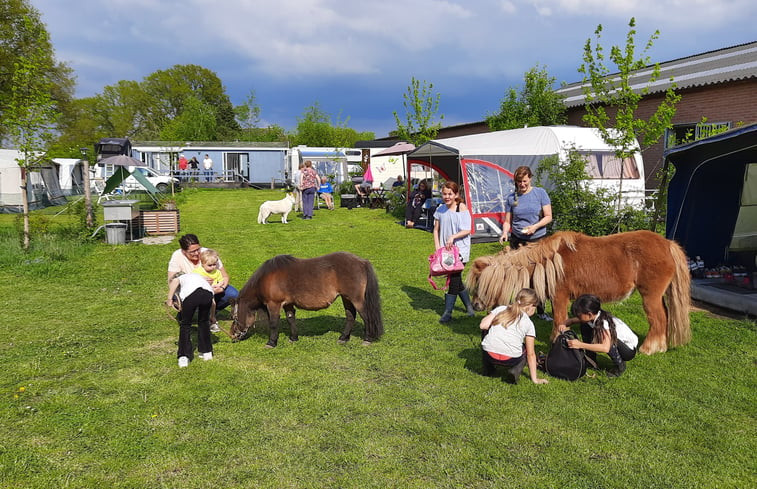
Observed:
{"x":365,"y":185}
{"x":326,"y":192}
{"x":415,"y":203}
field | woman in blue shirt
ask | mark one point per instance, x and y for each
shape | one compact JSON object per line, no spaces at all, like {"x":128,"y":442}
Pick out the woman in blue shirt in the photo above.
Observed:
{"x":528,"y":210}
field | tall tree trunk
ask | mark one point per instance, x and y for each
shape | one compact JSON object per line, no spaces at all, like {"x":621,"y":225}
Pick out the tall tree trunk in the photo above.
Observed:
{"x":25,"y":202}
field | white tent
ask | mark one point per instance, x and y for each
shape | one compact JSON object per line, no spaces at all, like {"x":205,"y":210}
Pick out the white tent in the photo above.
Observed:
{"x":483,"y":164}
{"x":42,"y":186}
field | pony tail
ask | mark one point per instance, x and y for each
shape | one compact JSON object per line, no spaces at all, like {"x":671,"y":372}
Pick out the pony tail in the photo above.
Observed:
{"x":678,"y":300}
{"x":374,"y":325}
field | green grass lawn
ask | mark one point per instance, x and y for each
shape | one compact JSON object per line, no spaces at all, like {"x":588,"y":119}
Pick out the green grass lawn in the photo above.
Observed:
{"x":91,"y":395}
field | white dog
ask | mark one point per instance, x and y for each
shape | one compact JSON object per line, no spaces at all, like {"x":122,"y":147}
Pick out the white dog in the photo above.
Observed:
{"x":283,"y":207}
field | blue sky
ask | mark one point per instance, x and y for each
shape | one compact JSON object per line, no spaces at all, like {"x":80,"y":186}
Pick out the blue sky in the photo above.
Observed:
{"x":356,"y":58}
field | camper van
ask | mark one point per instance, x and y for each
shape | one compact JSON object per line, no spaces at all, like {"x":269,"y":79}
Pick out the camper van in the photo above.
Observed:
{"x":331,"y":162}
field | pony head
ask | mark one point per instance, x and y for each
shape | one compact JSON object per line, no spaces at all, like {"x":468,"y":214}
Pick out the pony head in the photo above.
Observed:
{"x":494,"y":280}
{"x":472,"y":280}
{"x":242,"y":319}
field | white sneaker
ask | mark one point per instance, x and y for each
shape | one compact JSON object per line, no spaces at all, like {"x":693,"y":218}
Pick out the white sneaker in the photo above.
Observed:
{"x":183,"y":362}
{"x":214,"y":328}
{"x":207,"y":356}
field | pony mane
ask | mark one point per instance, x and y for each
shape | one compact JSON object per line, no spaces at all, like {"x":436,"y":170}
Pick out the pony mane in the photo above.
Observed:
{"x":267,"y":267}
{"x":538,"y":266}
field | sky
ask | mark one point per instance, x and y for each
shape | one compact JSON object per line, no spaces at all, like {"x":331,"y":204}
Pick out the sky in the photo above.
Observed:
{"x":356,"y":58}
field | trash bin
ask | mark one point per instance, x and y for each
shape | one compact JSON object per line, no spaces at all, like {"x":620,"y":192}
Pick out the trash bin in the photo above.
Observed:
{"x":115,"y":233}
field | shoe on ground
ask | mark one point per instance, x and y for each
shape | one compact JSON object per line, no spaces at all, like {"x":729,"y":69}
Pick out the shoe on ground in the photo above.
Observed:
{"x":207,"y":356}
{"x":183,"y":362}
{"x":545,"y":317}
{"x":214,"y":328}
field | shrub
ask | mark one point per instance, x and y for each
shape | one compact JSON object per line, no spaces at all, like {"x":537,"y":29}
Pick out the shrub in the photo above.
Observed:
{"x":578,"y":207}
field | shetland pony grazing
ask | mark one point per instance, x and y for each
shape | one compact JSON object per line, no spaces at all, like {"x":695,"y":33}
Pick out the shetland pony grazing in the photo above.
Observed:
{"x":311,"y":284}
{"x":565,"y":265}
{"x":283,"y":207}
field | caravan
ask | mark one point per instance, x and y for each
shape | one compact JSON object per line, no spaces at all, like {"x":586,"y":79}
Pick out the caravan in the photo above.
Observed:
{"x":483,"y":164}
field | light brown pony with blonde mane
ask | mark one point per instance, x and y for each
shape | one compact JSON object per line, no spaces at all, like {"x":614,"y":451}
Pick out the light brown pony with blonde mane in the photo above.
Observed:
{"x":565,"y":265}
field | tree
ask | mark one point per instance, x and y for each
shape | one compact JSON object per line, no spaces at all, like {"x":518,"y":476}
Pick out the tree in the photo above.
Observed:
{"x":603,"y":92}
{"x":315,"y":128}
{"x":30,"y":113}
{"x":421,"y":106}
{"x":248,"y":113}
{"x":23,"y":34}
{"x":196,"y":122}
{"x":535,"y":105}
{"x":167,"y":91}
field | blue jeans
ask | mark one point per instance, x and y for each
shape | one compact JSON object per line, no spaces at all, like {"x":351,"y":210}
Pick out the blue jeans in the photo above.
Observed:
{"x":223,"y":299}
{"x":208,"y":175}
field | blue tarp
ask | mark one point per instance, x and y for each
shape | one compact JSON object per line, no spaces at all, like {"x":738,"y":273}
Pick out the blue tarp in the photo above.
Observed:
{"x":704,"y":195}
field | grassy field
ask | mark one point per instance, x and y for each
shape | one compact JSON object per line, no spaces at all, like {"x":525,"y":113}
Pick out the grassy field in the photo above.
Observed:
{"x":92,"y":396}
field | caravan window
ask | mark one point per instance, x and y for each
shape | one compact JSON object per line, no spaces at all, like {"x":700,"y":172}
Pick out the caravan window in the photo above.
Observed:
{"x":606,"y":165}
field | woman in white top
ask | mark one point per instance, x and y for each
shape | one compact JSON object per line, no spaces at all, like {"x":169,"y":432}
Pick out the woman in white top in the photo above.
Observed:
{"x":602,"y":332}
{"x":507,"y":337}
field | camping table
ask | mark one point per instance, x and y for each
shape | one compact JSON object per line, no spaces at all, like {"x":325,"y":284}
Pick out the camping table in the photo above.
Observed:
{"x":377,"y":198}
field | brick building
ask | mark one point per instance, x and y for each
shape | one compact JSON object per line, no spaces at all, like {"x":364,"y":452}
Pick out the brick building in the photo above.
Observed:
{"x":719,"y":85}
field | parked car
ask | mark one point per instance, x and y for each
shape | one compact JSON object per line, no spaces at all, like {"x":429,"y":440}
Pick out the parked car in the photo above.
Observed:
{"x":161,"y":182}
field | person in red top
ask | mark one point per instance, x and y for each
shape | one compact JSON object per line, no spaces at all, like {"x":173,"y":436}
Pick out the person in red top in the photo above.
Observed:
{"x":183,"y":163}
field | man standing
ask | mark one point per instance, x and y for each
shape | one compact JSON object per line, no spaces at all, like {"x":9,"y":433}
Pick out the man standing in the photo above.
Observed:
{"x":207,"y":163}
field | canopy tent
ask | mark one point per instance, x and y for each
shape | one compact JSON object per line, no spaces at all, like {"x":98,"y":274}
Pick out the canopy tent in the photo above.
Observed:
{"x":712,"y":198}
{"x":121,"y":165}
{"x":483,"y":165}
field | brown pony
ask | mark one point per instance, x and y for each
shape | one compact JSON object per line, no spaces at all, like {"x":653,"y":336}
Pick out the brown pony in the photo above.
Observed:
{"x":565,"y":265}
{"x":311,"y":284}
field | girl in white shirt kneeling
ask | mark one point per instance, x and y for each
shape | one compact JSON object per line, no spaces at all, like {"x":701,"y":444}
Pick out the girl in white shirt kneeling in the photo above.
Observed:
{"x":508,"y":335}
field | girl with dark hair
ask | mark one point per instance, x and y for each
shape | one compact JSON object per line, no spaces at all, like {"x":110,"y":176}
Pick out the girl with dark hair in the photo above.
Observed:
{"x":602,"y":332}
{"x":452,"y":226}
{"x":507,"y":337}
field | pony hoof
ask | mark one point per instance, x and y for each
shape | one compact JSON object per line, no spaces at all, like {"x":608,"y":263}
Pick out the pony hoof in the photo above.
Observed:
{"x":367,"y":343}
{"x":341,"y":342}
{"x":270,"y":346}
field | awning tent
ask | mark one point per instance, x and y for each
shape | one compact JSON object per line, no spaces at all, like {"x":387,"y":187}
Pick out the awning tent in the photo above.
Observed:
{"x":43,"y":188}
{"x":483,"y":165}
{"x":121,"y":165}
{"x":712,"y":198}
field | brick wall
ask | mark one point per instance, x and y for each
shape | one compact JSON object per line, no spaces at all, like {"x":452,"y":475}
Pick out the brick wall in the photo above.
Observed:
{"x":734,"y":102}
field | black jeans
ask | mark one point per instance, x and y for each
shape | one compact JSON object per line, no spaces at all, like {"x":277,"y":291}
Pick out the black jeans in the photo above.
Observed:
{"x":200,"y":300}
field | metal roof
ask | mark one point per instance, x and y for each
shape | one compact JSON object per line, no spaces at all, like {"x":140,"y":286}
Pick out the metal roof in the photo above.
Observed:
{"x":722,"y":65}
